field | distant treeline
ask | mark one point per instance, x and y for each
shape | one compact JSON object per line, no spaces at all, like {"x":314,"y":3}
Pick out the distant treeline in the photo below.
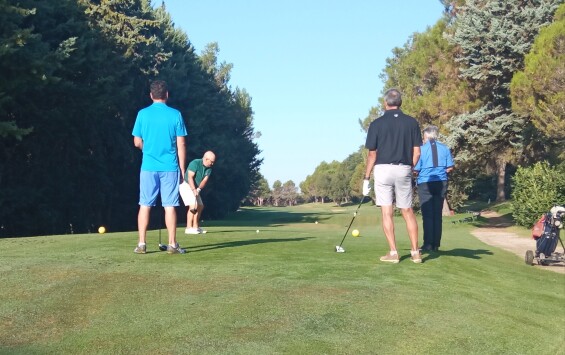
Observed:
{"x":74,"y":73}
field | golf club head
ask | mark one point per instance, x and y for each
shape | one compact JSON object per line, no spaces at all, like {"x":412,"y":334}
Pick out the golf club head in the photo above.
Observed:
{"x":162,"y":247}
{"x":339,"y":249}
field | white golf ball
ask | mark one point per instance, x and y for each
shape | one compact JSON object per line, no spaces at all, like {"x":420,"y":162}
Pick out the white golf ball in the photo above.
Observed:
{"x":257,"y":231}
{"x":316,"y":222}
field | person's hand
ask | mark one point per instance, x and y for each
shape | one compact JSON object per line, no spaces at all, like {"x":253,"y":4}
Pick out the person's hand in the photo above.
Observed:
{"x":366,"y":187}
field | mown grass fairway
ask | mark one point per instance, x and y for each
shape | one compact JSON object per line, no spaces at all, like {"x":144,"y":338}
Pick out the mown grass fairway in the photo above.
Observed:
{"x":283,"y":290}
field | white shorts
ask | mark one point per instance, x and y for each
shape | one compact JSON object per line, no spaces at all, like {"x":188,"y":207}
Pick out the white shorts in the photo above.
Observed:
{"x":393,"y":182}
{"x":188,"y":196}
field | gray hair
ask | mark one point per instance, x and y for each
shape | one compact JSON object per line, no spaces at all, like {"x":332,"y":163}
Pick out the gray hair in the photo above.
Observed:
{"x":393,"y":98}
{"x":431,"y":132}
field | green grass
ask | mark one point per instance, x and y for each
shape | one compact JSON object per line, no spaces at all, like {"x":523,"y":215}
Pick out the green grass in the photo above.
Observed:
{"x":282,"y":291}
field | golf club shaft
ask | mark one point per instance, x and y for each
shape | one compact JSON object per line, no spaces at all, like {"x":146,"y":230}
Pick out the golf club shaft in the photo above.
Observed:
{"x":350,"y":223}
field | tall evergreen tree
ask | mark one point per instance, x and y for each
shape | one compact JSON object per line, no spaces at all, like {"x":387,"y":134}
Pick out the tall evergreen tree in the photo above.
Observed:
{"x":538,"y":91}
{"x":427,"y":74}
{"x":493,"y":37}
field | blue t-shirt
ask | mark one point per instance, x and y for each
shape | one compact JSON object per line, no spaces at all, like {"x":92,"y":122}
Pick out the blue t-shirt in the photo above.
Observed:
{"x":428,"y":171}
{"x":159,"y":126}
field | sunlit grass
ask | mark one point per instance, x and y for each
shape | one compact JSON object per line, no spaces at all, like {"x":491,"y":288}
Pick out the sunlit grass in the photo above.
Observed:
{"x":283,"y":290}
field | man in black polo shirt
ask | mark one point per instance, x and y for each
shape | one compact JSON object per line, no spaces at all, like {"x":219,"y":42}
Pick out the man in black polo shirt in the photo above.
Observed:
{"x":394,"y":141}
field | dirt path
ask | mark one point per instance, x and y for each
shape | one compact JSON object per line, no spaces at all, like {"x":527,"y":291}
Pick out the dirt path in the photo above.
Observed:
{"x":496,"y":234}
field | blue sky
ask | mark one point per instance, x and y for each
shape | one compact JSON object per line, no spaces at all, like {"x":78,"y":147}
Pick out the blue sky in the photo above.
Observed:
{"x":311,"y":67}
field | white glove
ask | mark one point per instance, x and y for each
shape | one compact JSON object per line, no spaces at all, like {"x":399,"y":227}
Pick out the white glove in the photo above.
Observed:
{"x":366,"y":187}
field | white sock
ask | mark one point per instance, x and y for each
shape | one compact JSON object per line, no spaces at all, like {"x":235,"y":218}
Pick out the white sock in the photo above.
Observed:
{"x":414,"y":252}
{"x":393,"y":252}
{"x":141,"y":244}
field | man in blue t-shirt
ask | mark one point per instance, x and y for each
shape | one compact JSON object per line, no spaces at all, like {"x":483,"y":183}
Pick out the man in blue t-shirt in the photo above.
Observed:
{"x":432,"y":168}
{"x":159,"y":132}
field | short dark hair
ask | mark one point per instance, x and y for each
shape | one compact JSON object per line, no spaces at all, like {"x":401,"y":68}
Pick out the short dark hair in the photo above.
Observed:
{"x":393,"y":97}
{"x":159,"y":90}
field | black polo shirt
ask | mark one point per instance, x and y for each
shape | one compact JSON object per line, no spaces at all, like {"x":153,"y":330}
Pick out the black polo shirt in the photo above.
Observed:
{"x":394,"y":136}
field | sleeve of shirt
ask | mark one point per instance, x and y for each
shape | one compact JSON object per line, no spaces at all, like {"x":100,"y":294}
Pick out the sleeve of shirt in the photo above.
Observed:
{"x":181,"y":127}
{"x":418,"y":165}
{"x":450,"y":162}
{"x":371,"y":142}
{"x":136,"y":132}
{"x":417,"y":136}
{"x":192,"y":166}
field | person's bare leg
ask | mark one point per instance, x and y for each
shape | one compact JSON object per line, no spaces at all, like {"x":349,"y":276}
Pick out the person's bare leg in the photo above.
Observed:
{"x":198,"y":214}
{"x":411,"y":226}
{"x":171,"y":223}
{"x":388,"y":226}
{"x":143,"y":222}
{"x":189,"y":218}
{"x":194,"y":219}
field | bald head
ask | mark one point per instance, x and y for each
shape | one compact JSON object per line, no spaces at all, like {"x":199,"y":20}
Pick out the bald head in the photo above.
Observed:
{"x":209,"y":159}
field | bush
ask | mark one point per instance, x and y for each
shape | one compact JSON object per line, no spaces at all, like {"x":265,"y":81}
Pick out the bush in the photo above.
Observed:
{"x":535,"y":190}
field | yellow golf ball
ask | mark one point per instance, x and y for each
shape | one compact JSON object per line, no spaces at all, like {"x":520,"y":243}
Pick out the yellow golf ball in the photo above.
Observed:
{"x":102,"y":230}
{"x":355,"y":233}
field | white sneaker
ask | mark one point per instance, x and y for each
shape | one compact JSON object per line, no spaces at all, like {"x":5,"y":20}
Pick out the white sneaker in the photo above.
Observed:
{"x":201,"y":231}
{"x":191,"y":231}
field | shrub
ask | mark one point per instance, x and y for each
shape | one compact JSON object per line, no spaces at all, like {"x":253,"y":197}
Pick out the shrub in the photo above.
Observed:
{"x":535,"y":190}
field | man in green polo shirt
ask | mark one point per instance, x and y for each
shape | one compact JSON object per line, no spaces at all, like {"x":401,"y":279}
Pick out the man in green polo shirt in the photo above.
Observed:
{"x":196,"y":177}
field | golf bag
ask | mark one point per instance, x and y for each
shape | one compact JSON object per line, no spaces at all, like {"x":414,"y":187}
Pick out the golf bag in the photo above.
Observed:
{"x":546,"y":231}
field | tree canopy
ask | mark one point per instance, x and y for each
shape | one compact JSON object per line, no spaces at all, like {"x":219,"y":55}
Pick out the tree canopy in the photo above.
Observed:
{"x":75,"y":73}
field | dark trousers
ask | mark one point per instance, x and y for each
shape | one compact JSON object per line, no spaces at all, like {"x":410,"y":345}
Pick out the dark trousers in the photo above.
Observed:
{"x":431,"y":196}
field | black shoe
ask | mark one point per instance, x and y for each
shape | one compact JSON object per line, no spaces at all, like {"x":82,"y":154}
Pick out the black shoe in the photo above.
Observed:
{"x":426,"y":247}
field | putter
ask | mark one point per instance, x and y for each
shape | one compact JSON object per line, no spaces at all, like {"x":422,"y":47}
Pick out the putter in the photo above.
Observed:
{"x":339,"y":248}
{"x":162,"y":247}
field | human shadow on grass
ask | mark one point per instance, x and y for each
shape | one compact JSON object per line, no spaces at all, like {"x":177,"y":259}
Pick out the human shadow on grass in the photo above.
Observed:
{"x":463,"y":253}
{"x":240,"y":243}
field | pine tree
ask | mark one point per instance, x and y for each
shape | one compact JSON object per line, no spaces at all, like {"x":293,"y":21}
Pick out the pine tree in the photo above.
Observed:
{"x":493,"y":37}
{"x":538,"y":91}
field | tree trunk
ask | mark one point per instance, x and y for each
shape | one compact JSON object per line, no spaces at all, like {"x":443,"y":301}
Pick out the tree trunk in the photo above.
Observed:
{"x":500,"y":178}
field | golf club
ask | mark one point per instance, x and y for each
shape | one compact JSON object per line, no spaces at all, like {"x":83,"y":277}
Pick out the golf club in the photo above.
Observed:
{"x":339,"y":248}
{"x":162,"y":247}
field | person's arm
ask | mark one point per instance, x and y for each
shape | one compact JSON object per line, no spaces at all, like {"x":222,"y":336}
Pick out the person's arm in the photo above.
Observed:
{"x":138,"y":142}
{"x":371,"y":159}
{"x":202,"y":184}
{"x":191,"y":182}
{"x":450,"y":163}
{"x":416,"y":156}
{"x":181,"y":151}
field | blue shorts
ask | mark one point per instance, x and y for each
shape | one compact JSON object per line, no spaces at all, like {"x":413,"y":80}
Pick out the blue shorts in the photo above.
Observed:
{"x":153,"y":182}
